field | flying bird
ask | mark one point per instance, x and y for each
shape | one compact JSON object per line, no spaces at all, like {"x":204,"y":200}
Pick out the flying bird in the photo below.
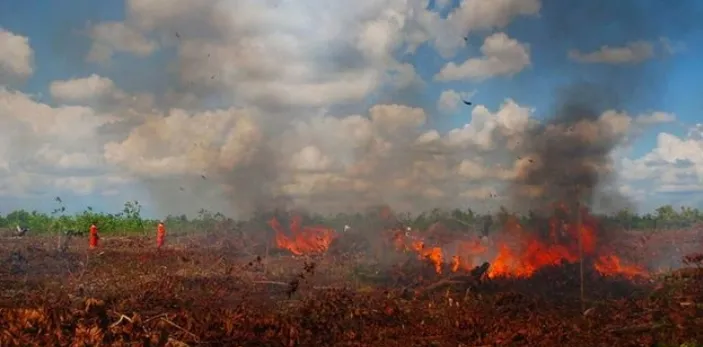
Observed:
{"x":467,"y":102}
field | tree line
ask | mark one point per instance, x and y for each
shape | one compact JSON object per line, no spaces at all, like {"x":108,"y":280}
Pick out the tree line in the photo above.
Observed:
{"x":130,"y":220}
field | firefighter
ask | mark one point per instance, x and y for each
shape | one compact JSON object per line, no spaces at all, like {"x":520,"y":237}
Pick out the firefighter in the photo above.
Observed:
{"x":160,"y":234}
{"x":93,"y":238}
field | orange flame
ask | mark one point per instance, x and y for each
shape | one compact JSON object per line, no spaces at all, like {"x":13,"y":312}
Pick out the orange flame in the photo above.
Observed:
{"x":521,"y":254}
{"x":610,"y":264}
{"x":433,"y":254}
{"x":303,"y":240}
{"x":462,"y":260}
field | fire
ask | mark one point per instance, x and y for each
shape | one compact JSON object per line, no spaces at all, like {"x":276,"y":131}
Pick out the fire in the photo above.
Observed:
{"x":303,"y":240}
{"x":531,"y":253}
{"x":464,"y":251}
{"x":433,"y":254}
{"x":611,"y":264}
{"x":520,"y":253}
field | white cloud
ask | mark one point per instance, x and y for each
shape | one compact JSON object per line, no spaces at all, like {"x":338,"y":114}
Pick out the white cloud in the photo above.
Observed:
{"x":394,"y":119}
{"x":474,"y":15}
{"x":428,"y":137}
{"x":114,"y":37}
{"x":511,"y":121}
{"x":449,"y":100}
{"x":16,"y":56}
{"x":472,"y":170}
{"x":502,"y":56}
{"x":310,"y":158}
{"x":47,"y":149}
{"x":332,"y":54}
{"x":675,"y":165}
{"x":83,"y":89}
{"x":262,"y":111}
{"x":63,"y":160}
{"x":656,"y":118}
{"x":183,"y":143}
{"x":66,"y":123}
{"x":630,"y":53}
{"x":332,"y":162}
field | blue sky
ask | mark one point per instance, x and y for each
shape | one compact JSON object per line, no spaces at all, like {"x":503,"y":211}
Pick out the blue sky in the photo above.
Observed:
{"x":59,"y":36}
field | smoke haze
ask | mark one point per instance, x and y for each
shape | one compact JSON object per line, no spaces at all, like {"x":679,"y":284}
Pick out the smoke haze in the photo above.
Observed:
{"x":240,"y":105}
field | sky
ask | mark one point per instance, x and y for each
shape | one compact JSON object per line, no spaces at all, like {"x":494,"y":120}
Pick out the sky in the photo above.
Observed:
{"x":234,"y":105}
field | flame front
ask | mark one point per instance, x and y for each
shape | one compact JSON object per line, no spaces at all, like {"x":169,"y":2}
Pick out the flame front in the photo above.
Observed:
{"x":516,"y":252}
{"x":519,"y":253}
{"x":611,"y":264}
{"x":303,"y":240}
{"x":435,"y":255}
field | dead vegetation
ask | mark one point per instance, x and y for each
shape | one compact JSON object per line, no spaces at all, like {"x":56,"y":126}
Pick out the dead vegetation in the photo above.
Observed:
{"x":222,"y":293}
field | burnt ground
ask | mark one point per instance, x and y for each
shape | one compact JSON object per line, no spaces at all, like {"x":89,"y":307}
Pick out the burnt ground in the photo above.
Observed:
{"x":222,"y":294}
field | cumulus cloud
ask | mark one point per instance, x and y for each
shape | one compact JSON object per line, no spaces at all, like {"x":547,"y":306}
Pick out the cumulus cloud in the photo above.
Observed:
{"x":83,"y":89}
{"x":672,"y":156}
{"x":656,"y":118}
{"x":313,"y":105}
{"x":114,"y":37}
{"x":631,"y":53}
{"x":673,"y":167}
{"x":473,"y":16}
{"x":16,"y":56}
{"x":450,"y":99}
{"x":44,"y":147}
{"x":502,"y":56}
{"x":510,"y":121}
{"x":183,"y":143}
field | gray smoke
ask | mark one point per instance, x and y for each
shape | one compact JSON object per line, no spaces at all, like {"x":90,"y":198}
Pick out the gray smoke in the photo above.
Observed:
{"x":208,"y":78}
{"x":569,"y":153}
{"x":569,"y":157}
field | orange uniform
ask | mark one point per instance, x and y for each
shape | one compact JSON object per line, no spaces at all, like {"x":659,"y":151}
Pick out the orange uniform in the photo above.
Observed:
{"x":94,"y":236}
{"x":160,"y":235}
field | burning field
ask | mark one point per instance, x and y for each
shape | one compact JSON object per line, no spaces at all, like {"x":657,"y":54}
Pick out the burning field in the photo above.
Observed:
{"x":549,"y":274}
{"x":550,"y":282}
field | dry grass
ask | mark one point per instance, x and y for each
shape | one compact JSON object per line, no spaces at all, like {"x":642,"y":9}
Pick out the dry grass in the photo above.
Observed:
{"x":222,"y":294}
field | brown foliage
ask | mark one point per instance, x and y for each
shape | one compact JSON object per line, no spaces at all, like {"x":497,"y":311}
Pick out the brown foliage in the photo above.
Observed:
{"x":192,"y":297}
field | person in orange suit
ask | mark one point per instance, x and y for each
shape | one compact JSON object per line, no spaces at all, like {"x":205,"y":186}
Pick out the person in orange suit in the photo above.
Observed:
{"x":160,"y":234}
{"x":94,"y":236}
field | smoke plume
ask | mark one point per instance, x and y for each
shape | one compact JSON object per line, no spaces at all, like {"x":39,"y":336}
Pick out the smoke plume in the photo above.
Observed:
{"x":298,"y":105}
{"x":568,"y":158}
